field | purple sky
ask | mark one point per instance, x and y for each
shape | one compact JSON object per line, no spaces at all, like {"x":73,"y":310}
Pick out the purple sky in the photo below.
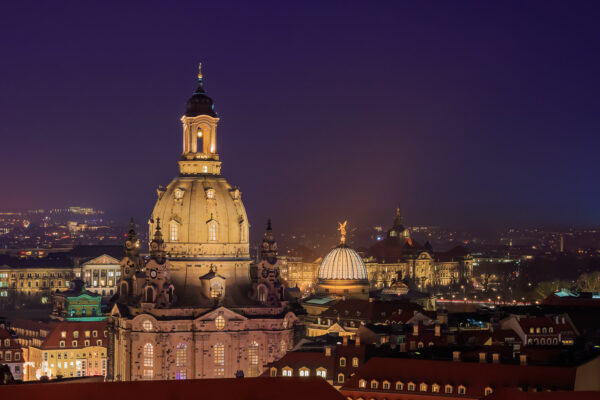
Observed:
{"x":475,"y":114}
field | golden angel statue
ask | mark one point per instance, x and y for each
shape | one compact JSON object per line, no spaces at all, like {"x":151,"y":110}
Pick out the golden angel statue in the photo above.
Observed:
{"x":342,"y":229}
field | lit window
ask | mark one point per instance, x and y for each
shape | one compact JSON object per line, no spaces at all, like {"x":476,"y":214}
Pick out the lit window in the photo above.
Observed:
{"x":63,"y":334}
{"x":76,"y":334}
{"x":219,"y":354}
{"x":435,"y":388}
{"x":210,"y":193}
{"x":304,"y":372}
{"x":148,"y":374}
{"x":362,"y":383}
{"x":216,"y":290}
{"x":147,"y":325}
{"x":342,"y":362}
{"x":181,"y":374}
{"x":212,"y":231}
{"x":423,"y":387}
{"x":287,"y":371}
{"x":355,"y":362}
{"x":253,"y":359}
{"x":322,"y":372}
{"x":488,"y":390}
{"x":181,"y":355}
{"x":220,"y":322}
{"x":174,"y":231}
{"x":148,"y":355}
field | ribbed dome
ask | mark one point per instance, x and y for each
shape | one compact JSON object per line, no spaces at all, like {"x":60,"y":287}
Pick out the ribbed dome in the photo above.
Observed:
{"x":342,"y":263}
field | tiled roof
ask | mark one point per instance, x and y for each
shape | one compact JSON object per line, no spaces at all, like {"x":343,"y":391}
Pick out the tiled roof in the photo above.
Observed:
{"x":13,"y":345}
{"x":373,"y":311}
{"x":308,"y":359}
{"x":559,"y":395}
{"x":474,"y":376}
{"x":289,"y":388}
{"x":53,"y":340}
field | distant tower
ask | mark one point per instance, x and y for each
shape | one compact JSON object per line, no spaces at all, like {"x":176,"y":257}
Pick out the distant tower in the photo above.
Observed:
{"x":562,"y":243}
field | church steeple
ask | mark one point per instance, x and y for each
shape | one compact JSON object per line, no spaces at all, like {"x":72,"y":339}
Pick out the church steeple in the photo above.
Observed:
{"x":157,"y":245}
{"x":200,"y":156}
{"x":269,"y":246}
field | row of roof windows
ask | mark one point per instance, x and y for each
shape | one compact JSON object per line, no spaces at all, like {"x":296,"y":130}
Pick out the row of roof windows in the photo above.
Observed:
{"x":74,"y":343}
{"x":94,"y":333}
{"x":8,"y":356}
{"x":411,"y":387}
{"x":303,"y":371}
{"x":542,"y":330}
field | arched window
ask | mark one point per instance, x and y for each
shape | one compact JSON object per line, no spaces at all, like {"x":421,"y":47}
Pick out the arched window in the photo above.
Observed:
{"x":399,"y":385}
{"x":322,"y":372}
{"x":423,"y":387}
{"x":273,"y":371}
{"x":462,"y":390}
{"x":488,"y":390}
{"x":340,"y":378}
{"x":362,"y":383}
{"x":213,"y":228}
{"x":148,"y":355}
{"x":544,"y":330}
{"x":219,"y":359}
{"x":181,"y":355}
{"x":355,"y":361}
{"x":287,"y":371}
{"x":342,"y":361}
{"x":262,"y":294}
{"x":542,"y":341}
{"x":435,"y":388}
{"x":283,"y":346}
{"x":149,"y":295}
{"x":374,"y":384}
{"x":411,"y":386}
{"x":220,"y":322}
{"x":448,"y":389}
{"x":253,"y":359}
{"x":550,"y":330}
{"x":174,"y":231}
{"x":385,"y":385}
{"x":304,"y":371}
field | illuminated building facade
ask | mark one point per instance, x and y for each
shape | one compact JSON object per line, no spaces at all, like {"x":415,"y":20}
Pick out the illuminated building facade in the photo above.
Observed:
{"x":11,"y":354}
{"x":77,"y":304}
{"x":67,"y":349}
{"x":23,"y":286}
{"x":193,"y":310}
{"x":101,"y":275}
{"x":396,"y":256}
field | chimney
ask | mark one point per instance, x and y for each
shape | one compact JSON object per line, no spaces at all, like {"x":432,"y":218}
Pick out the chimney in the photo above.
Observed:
{"x":357,"y":341}
{"x":327,"y":351}
{"x":496,"y":358}
{"x":345,"y":339}
{"x":456,"y":356}
{"x":416,"y":329}
{"x":438,"y":330}
{"x":482,"y":357}
{"x":523,"y":359}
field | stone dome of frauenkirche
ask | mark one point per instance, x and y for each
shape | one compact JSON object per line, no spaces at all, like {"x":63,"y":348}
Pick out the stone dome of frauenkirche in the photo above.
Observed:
{"x":342,"y":263}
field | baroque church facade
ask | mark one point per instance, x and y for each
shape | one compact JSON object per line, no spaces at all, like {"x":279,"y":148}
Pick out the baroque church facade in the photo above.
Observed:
{"x":193,"y":309}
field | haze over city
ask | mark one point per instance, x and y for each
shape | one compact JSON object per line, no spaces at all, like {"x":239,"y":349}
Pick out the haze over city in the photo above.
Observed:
{"x":468,"y":115}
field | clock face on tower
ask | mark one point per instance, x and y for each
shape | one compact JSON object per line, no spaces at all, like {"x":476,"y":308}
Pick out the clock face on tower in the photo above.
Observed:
{"x":153,"y":273}
{"x":128,"y":244}
{"x":154,"y":246}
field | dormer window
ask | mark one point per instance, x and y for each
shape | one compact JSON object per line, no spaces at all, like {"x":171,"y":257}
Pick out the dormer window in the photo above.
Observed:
{"x":178,"y":193}
{"x":374,"y":384}
{"x":286,"y":371}
{"x":448,"y":389}
{"x":210,"y":193}
{"x":488,"y":390}
{"x":322,"y":372}
{"x":362,"y":383}
{"x":462,"y":390}
{"x":399,"y":385}
{"x":304,"y":371}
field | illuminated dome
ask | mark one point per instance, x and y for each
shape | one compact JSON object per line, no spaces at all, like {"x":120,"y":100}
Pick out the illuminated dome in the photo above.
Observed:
{"x":342,"y":263}
{"x":343,"y":272}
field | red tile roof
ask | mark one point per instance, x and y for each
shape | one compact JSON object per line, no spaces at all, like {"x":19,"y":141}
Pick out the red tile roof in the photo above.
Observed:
{"x":474,"y":376}
{"x":13,"y":345}
{"x":559,"y":395}
{"x":224,"y":389}
{"x":52,"y":341}
{"x":373,"y":311}
{"x":299,"y":359}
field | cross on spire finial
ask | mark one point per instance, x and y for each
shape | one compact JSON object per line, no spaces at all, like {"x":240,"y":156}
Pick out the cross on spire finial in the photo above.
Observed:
{"x":199,"y":70}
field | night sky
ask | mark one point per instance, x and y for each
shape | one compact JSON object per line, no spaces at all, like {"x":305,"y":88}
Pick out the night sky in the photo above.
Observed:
{"x":465,"y":114}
